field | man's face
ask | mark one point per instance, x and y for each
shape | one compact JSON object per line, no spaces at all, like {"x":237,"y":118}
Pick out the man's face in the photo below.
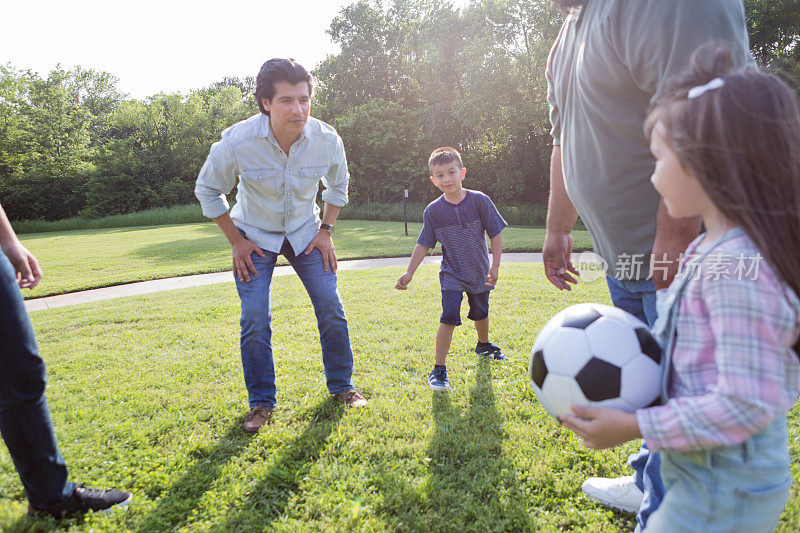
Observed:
{"x":448,"y":177}
{"x":289,"y":107}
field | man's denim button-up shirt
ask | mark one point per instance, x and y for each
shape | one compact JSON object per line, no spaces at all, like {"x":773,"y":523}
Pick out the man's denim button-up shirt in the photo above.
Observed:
{"x":276,"y":196}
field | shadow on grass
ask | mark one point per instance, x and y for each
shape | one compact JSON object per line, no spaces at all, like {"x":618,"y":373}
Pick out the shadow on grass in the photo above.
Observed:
{"x":270,"y":496}
{"x":179,"y":250}
{"x":182,"y":497}
{"x":471,"y":485}
{"x":42,"y":525}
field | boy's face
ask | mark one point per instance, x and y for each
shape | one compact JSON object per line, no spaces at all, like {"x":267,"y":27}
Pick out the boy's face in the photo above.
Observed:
{"x":448,"y":177}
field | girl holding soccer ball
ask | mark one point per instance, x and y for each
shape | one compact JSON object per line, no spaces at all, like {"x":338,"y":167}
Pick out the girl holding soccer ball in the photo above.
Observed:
{"x":727,"y":149}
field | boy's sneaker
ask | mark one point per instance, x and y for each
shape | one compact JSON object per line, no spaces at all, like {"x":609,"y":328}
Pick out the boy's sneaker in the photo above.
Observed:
{"x":437,"y":379}
{"x":619,"y":493}
{"x":490,"y":350}
{"x":84,"y":500}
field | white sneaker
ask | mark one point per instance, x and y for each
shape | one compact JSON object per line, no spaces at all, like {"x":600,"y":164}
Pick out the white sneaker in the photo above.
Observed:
{"x":619,"y":493}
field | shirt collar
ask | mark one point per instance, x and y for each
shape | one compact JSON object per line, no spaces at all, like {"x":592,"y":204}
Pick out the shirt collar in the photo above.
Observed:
{"x":265,"y":130}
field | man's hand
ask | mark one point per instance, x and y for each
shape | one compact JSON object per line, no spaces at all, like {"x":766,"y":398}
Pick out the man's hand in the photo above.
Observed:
{"x":403,"y":281}
{"x":324,"y":244}
{"x":27,"y":268}
{"x":492,"y":276}
{"x":556,"y":255}
{"x":673,"y":235}
{"x":242,"y":261}
{"x":602,"y":427}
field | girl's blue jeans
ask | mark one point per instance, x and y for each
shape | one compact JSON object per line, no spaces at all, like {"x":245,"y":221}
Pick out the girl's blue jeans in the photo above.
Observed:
{"x":731,"y":488}
{"x":256,"y":323}
{"x":25,"y":422}
{"x":639,"y":299}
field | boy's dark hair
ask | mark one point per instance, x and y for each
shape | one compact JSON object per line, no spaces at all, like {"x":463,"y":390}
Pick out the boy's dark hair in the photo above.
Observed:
{"x":276,"y":70}
{"x":739,"y":138}
{"x":444,"y":155}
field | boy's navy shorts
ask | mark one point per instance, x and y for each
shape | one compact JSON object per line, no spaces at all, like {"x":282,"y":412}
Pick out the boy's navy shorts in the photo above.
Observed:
{"x":451,"y":306}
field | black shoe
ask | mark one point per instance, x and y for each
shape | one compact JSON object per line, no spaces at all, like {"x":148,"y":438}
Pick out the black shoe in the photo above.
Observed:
{"x":84,"y":500}
{"x":491,"y":351}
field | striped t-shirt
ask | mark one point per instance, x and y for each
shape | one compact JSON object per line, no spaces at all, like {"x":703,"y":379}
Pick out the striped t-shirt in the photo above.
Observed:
{"x":460,"y":228}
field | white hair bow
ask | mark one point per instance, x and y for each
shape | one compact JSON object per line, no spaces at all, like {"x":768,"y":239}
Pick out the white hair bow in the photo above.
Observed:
{"x":700,"y":90}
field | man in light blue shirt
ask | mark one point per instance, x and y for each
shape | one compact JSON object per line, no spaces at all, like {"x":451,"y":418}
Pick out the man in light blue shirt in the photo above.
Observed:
{"x":278,"y":158}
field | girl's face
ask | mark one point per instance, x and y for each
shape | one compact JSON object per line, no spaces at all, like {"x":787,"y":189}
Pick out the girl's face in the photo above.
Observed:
{"x":683,"y":195}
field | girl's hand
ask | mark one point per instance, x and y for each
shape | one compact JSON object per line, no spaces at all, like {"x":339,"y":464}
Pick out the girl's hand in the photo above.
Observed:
{"x":602,"y":427}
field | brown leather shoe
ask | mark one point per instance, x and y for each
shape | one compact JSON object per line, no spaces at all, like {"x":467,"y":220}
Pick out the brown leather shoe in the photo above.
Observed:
{"x":351,"y":398}
{"x":257,"y":417}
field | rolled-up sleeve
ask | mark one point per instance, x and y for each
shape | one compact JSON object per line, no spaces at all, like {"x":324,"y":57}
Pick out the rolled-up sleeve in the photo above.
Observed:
{"x":216,"y":179}
{"x":337,"y":179}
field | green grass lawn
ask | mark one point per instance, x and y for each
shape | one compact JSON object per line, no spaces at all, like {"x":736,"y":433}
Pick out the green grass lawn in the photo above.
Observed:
{"x":147,"y":394}
{"x":87,"y":259}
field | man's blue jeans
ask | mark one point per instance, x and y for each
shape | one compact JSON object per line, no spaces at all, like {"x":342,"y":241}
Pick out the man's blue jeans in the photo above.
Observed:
{"x":25,"y":422}
{"x":256,"y":335}
{"x":639,"y":299}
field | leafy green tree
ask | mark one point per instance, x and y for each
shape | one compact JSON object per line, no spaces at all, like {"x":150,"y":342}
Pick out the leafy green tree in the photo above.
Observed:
{"x":158,"y":147}
{"x":471,"y":78}
{"x":58,"y":121}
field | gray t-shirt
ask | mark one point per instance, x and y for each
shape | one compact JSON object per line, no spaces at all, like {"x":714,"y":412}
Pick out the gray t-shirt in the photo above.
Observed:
{"x":611,"y":59}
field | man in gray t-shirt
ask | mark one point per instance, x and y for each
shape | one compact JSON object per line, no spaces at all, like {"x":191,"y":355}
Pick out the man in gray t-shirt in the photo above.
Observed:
{"x":611,"y":59}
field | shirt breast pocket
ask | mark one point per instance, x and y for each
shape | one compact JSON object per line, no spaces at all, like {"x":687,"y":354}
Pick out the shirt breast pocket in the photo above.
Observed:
{"x":259,"y":180}
{"x":308,"y":184}
{"x":316,"y":172}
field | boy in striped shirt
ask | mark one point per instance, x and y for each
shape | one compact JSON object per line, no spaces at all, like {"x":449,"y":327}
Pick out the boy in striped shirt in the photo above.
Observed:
{"x":459,"y":220}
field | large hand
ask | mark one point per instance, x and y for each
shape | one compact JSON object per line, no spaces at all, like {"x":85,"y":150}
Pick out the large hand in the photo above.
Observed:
{"x":242,"y":260}
{"x":602,"y":427}
{"x":25,"y":265}
{"x":324,"y":244}
{"x":556,"y":255}
{"x":673,"y":235}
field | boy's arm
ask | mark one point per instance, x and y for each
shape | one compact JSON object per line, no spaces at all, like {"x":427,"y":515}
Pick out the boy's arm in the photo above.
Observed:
{"x":417,"y":256}
{"x":497,"y":251}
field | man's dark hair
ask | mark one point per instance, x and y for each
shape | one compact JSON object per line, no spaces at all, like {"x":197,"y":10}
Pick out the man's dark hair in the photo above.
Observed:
{"x":566,"y":5}
{"x":276,"y":70}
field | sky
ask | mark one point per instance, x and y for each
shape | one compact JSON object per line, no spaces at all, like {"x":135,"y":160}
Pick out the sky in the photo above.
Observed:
{"x":165,"y":46}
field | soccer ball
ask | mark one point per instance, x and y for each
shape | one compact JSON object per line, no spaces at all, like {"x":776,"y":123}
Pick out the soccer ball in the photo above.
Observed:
{"x":592,"y":354}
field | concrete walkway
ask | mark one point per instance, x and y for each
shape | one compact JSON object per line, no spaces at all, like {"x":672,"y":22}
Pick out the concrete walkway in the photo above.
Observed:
{"x":182,"y":282}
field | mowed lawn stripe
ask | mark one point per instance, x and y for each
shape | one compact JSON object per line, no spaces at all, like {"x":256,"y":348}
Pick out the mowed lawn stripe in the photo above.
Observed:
{"x":147,"y":394}
{"x":89,"y":259}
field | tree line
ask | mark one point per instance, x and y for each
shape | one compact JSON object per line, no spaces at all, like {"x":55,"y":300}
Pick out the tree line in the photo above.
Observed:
{"x":410,"y":75}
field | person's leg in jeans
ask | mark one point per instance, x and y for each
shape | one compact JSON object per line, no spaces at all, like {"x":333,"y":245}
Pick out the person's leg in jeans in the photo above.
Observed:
{"x":256,"y":332}
{"x":639,"y":299}
{"x":25,"y":422}
{"x":334,"y":335}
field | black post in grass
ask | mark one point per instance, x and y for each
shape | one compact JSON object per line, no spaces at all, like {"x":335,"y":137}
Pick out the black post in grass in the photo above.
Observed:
{"x":405,"y":215}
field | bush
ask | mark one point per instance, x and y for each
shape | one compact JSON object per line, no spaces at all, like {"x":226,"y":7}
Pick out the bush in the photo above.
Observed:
{"x":159,"y":216}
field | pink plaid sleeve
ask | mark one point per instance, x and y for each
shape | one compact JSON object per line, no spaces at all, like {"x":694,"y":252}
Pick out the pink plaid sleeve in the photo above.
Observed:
{"x":753,"y":326}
